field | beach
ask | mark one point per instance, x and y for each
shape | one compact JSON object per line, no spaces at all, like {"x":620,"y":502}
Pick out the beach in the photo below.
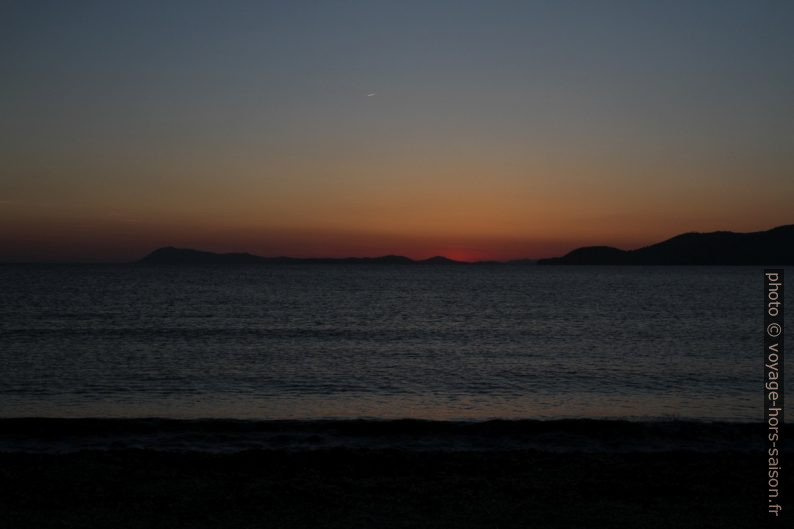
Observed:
{"x":547,"y":474}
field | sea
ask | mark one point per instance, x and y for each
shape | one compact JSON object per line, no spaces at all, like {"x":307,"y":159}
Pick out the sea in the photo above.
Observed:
{"x":359,"y":341}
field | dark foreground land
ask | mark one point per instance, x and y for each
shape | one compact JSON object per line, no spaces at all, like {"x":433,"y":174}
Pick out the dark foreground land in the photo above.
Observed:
{"x":359,"y":488}
{"x":355,"y":487}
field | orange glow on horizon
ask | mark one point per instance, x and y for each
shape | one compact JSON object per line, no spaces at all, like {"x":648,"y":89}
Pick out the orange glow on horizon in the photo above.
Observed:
{"x":485,"y":133}
{"x":124,"y":241}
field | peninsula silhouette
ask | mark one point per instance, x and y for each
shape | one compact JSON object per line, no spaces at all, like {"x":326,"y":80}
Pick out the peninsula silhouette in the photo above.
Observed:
{"x":185,"y":256}
{"x":771,"y":247}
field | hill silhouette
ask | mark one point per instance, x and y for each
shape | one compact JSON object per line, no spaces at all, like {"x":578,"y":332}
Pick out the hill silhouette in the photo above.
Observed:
{"x":771,"y":247}
{"x":185,"y":256}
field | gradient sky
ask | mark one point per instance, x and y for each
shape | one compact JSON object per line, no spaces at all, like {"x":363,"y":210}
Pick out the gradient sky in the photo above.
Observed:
{"x":496,"y":129}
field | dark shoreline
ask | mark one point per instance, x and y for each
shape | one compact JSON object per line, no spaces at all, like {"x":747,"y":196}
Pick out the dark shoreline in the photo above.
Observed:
{"x":53,"y":435}
{"x":156,"y":473}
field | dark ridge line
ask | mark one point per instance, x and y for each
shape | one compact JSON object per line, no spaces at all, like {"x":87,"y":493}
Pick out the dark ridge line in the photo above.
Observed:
{"x":771,"y":247}
{"x":170,"y":255}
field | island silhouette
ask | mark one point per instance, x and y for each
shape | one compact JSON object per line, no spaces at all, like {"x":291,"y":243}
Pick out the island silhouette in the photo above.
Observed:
{"x":771,"y":247}
{"x":175,"y":256}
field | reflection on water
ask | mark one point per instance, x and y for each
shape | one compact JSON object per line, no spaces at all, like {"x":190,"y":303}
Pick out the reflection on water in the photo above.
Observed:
{"x":445,"y":342}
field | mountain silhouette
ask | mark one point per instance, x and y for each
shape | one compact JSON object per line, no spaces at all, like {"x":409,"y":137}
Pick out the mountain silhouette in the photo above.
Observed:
{"x":185,"y":256}
{"x":171,"y":255}
{"x":439,"y":260}
{"x":771,"y":247}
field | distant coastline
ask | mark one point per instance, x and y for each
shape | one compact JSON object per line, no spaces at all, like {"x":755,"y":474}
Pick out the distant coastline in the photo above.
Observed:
{"x":771,"y":247}
{"x":186,"y":256}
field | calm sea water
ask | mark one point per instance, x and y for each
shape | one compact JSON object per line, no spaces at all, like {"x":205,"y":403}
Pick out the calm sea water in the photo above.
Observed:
{"x":328,"y":341}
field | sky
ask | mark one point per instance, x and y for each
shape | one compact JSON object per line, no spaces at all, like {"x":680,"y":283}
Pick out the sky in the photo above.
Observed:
{"x":475,"y":130}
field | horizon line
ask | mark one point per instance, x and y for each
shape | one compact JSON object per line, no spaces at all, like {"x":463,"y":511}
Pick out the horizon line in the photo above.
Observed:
{"x":364,"y":258}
